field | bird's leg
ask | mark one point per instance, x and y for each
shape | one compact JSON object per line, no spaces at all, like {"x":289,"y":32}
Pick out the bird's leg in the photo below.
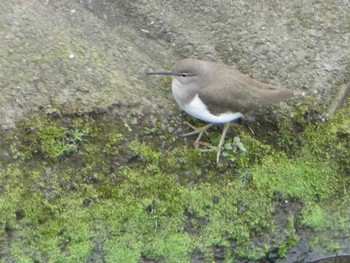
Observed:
{"x":199,"y":131}
{"x":222,"y":140}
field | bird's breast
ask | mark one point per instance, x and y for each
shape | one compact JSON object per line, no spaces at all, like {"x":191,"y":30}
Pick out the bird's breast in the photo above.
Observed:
{"x":181,"y":95}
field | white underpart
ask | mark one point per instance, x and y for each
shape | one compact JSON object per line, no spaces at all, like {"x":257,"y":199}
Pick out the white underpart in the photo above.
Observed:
{"x":199,"y":110}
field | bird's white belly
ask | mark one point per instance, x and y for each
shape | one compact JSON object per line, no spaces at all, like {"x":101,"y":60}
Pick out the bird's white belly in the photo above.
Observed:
{"x":199,"y":110}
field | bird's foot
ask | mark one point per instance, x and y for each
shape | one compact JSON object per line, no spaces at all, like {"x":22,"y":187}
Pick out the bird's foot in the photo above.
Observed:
{"x":198,"y":131}
{"x":205,"y":147}
{"x":209,"y":147}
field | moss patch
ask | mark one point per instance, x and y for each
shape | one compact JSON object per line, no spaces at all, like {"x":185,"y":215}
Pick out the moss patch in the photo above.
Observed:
{"x":116,"y":199}
{"x":298,"y":178}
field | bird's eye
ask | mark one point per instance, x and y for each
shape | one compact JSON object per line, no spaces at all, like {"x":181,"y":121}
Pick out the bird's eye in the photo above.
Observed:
{"x":184,"y":75}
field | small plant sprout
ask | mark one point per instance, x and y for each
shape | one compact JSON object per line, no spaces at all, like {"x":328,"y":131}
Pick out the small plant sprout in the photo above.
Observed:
{"x":69,"y":142}
{"x":76,"y":135}
{"x":238,"y":145}
{"x":230,"y":148}
{"x":128,"y":127}
{"x":63,"y":148}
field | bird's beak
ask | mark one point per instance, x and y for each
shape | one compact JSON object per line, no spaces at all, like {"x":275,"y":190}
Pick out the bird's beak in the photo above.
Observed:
{"x":160,"y":73}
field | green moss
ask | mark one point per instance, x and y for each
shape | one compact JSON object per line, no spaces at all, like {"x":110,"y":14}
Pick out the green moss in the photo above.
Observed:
{"x":314,"y":216}
{"x":254,"y":154}
{"x":297,"y":178}
{"x":120,"y":199}
{"x":325,"y":243}
{"x":43,"y":222}
{"x":291,"y":238}
{"x":49,"y":139}
{"x":330,"y":142}
{"x":329,"y":221}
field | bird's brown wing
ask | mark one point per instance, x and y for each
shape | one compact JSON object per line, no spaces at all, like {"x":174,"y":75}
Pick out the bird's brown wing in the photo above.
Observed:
{"x":240,"y":93}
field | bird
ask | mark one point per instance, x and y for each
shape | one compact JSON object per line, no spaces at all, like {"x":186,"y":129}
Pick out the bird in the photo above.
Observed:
{"x":216,"y":93}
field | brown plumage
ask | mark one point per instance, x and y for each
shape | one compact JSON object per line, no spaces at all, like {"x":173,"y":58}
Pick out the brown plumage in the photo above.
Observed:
{"x":223,"y":88}
{"x":216,"y":93}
